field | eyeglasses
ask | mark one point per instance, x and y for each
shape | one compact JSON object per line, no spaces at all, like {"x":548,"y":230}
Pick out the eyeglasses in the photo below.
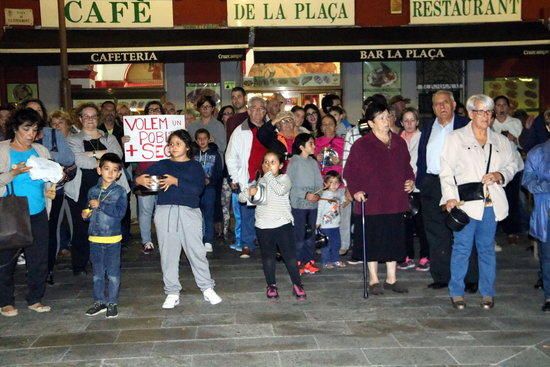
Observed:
{"x":259,"y":109}
{"x":311,"y":114}
{"x":205,"y":106}
{"x":154,"y":109}
{"x":482,"y":112}
{"x":88,"y":117}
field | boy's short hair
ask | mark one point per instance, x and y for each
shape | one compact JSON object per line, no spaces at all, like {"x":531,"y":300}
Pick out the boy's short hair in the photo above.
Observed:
{"x":338,"y":109}
{"x":332,"y":174}
{"x":110,"y":157}
{"x":202,"y":131}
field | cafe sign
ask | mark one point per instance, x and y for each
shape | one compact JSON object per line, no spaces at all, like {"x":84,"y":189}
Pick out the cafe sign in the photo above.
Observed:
{"x":109,"y":13}
{"x":464,"y":11}
{"x":290,"y":13}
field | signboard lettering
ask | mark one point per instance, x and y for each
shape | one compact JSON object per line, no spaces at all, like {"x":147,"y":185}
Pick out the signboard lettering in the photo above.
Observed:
{"x":285,"y":13}
{"x":112,"y":57}
{"x":18,"y":17}
{"x":149,"y":136}
{"x":464,"y":11}
{"x":408,"y":53}
{"x":109,"y":14}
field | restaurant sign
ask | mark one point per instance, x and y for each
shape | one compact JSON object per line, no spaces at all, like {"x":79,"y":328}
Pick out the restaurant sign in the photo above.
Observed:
{"x":109,"y":14}
{"x":464,"y":11}
{"x":290,"y":13}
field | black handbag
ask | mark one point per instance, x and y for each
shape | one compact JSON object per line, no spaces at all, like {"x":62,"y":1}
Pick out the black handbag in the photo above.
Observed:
{"x":321,"y":239}
{"x":15,"y":226}
{"x":474,"y":190}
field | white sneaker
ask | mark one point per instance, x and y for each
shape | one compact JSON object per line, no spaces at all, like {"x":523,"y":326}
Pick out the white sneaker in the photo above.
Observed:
{"x":21,"y":260}
{"x":211,"y":296}
{"x":171,"y":301}
{"x":498,"y":248}
{"x":208,"y":247}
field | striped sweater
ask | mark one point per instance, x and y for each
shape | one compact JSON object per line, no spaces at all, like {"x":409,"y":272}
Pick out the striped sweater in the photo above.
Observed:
{"x":274,"y":211}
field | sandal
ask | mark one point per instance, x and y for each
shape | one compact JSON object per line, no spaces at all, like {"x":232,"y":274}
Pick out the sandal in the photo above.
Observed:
{"x":8,"y":311}
{"x":396,"y":287}
{"x":39,"y":307}
{"x":458,"y":302}
{"x":376,"y":289}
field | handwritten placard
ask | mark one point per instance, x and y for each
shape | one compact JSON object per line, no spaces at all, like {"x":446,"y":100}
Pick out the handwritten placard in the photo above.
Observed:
{"x":149,"y":136}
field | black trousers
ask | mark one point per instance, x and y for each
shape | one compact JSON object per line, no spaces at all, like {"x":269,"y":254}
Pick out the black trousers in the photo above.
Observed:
{"x":53,"y":223}
{"x":512,"y":223}
{"x":438,"y":235}
{"x":415,"y":224}
{"x":283,"y":239}
{"x":36,"y":256}
{"x":80,"y":247}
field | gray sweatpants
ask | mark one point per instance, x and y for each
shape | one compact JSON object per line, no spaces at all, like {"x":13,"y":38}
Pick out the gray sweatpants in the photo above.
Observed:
{"x":345,"y":227}
{"x":181,"y":227}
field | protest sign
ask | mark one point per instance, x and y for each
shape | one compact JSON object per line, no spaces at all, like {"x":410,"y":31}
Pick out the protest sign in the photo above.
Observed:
{"x":149,"y":136}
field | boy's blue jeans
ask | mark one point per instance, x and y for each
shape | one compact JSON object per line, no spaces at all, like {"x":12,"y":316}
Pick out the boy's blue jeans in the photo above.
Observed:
{"x":106,"y":262}
{"x":208,"y":202}
{"x":482,"y":232}
{"x":331,"y":252}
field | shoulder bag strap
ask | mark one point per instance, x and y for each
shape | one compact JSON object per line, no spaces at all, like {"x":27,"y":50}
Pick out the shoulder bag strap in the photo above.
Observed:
{"x":489,"y":160}
{"x":54,"y":141}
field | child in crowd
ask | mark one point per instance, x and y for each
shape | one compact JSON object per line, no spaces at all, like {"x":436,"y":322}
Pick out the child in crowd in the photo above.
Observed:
{"x":307,"y":183}
{"x":274,"y":224}
{"x":342,"y":124}
{"x":328,"y":219}
{"x":178,"y":218}
{"x":106,"y":208}
{"x":211,"y":162}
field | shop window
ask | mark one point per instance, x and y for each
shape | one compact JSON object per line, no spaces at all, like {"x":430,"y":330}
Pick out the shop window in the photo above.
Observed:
{"x":523,"y":93}
{"x":432,"y":76}
{"x":129,"y":75}
{"x":294,"y":76}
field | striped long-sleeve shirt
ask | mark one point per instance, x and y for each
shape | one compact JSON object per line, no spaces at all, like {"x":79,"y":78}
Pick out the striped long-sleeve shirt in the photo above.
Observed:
{"x":274,"y":211}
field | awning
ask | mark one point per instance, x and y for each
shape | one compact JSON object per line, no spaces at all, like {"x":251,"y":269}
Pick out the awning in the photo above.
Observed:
{"x":41,"y":47}
{"x":465,"y":41}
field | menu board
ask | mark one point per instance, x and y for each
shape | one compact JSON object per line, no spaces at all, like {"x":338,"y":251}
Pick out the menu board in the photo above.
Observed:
{"x":314,"y":74}
{"x":523,"y":93}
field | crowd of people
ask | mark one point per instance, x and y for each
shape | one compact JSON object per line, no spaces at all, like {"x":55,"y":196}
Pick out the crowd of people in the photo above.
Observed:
{"x":294,"y":182}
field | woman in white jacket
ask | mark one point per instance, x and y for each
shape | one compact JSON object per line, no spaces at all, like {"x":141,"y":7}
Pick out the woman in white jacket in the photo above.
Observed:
{"x":476,"y":154}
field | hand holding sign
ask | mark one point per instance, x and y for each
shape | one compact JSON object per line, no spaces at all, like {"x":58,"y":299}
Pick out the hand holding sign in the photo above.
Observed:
{"x":148,"y":136}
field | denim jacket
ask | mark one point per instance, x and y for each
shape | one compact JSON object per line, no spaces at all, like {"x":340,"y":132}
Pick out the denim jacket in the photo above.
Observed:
{"x":106,"y":219}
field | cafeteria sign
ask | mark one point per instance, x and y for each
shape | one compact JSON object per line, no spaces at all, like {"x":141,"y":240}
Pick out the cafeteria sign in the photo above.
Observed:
{"x":464,"y":11}
{"x":149,"y":136}
{"x":290,"y":13}
{"x":109,"y":14}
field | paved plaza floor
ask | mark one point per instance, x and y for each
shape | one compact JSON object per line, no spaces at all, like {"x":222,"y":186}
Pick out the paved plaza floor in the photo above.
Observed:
{"x":334,"y":327}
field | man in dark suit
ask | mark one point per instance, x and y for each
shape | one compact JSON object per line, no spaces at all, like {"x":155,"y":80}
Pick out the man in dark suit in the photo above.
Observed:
{"x":427,"y":180}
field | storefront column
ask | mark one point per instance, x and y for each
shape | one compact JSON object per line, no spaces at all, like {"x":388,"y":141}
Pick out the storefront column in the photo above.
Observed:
{"x":174,"y":75}
{"x":474,"y":78}
{"x":48,"y":86}
{"x":351,"y":75}
{"x":230,"y":71}
{"x":408,"y":82}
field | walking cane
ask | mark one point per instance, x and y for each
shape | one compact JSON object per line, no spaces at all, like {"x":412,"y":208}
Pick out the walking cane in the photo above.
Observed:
{"x":365,"y":287}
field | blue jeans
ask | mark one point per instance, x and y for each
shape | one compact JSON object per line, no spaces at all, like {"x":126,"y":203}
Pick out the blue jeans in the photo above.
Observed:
{"x":331,"y":252}
{"x":248,"y":234}
{"x":237,"y":215}
{"x":305,"y":242}
{"x":208,"y":202}
{"x":106,"y":262}
{"x":146,"y":208}
{"x":482,"y":232}
{"x":544,"y":258}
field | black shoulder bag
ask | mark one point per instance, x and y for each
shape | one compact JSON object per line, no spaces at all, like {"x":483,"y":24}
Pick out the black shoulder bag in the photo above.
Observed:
{"x":474,"y":190}
{"x":15,"y":226}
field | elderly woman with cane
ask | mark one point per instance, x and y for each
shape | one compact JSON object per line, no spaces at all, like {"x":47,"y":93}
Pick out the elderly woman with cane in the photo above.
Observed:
{"x":476,"y":163}
{"x":378,"y":167}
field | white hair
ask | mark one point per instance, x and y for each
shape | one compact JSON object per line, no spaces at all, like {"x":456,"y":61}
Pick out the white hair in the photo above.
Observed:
{"x":253,"y":100}
{"x":487,"y":102}
{"x":445,"y":92}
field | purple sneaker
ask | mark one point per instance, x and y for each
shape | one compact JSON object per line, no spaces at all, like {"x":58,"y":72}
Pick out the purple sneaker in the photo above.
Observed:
{"x":299,"y":292}
{"x":423,"y":264}
{"x":272,"y":292}
{"x":407,"y":264}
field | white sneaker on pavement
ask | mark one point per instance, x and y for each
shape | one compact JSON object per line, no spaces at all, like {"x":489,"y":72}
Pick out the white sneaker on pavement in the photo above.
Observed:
{"x":211,"y":296}
{"x":498,"y":248}
{"x":171,"y":301}
{"x":208,"y":247}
